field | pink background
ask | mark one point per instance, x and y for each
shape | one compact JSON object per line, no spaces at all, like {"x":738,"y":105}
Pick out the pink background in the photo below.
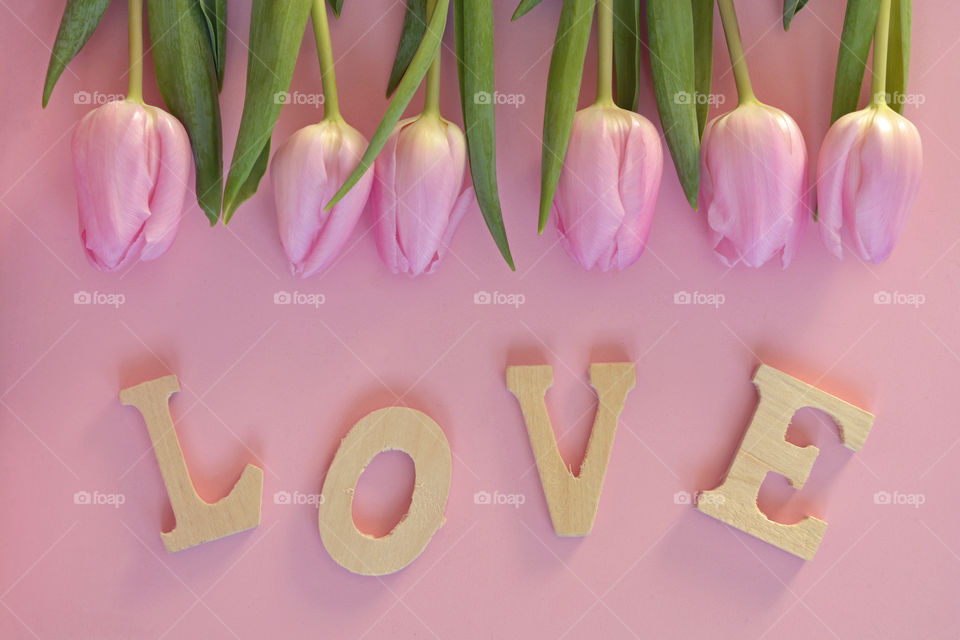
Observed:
{"x":279,"y":386}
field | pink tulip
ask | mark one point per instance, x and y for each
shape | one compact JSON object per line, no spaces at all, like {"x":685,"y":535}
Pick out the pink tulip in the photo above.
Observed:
{"x":754,"y":184}
{"x":307,"y":170}
{"x":416,"y":198}
{"x":608,"y":187}
{"x":868,"y":177}
{"x":132,"y":167}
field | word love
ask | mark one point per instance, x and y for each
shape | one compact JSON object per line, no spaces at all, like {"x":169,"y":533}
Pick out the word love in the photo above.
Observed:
{"x":572,"y":499}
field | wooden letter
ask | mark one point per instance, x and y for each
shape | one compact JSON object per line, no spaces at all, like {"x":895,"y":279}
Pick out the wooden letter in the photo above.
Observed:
{"x":196,"y":521}
{"x":572,"y":499}
{"x":764,"y":449}
{"x":390,"y":429}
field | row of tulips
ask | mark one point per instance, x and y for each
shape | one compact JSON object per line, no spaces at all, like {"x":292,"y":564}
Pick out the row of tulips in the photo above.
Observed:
{"x":754,"y":176}
{"x":132,"y":163}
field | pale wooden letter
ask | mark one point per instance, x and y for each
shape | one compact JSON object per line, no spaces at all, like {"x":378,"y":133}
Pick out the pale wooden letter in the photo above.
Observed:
{"x":765,"y":449}
{"x":390,"y":429}
{"x":196,"y":521}
{"x":572,"y":500}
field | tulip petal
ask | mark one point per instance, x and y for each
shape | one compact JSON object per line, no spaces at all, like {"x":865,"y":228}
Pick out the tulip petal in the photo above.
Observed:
{"x":756,"y":189}
{"x":831,"y":171}
{"x":890,"y":163}
{"x":113,"y":182}
{"x":338,"y":223}
{"x":460,"y":208}
{"x":430,"y":170}
{"x":383,"y":203}
{"x":587,"y":202}
{"x":299,"y":175}
{"x":416,"y":198}
{"x":640,"y":174}
{"x":306,"y":171}
{"x":607,"y":190}
{"x":170,"y":150}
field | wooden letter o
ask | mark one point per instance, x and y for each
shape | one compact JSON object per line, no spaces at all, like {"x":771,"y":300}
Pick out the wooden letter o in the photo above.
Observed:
{"x":390,"y":429}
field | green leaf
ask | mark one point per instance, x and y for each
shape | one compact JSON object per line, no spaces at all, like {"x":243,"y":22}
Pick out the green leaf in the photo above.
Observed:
{"x":80,"y":20}
{"x":276,"y":31}
{"x":790,"y":9}
{"x":422,"y":59}
{"x":336,"y":6}
{"x":898,"y":55}
{"x":703,"y":58}
{"x":626,"y":52}
{"x":859,"y":24}
{"x":414,"y":24}
{"x":475,"y":72}
{"x":248,"y":188}
{"x":563,"y":92}
{"x":215,"y":16}
{"x":670,"y":34}
{"x":523,"y":8}
{"x":187,"y":77}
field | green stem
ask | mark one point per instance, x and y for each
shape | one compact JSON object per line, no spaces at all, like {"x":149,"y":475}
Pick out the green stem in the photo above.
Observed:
{"x":135,"y":44}
{"x":880,"y":44}
{"x":604,"y":52}
{"x":731,"y":30}
{"x":321,"y":32}
{"x":431,"y":100}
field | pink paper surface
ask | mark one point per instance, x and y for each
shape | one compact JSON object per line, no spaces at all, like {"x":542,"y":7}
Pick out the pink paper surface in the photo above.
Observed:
{"x":280,"y":385}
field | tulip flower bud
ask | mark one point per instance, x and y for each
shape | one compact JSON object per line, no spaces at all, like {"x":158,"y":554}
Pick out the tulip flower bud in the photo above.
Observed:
{"x":306,"y":171}
{"x":608,"y":187}
{"x":868,"y":176}
{"x":132,"y":168}
{"x":754,"y":184}
{"x":416,"y":197}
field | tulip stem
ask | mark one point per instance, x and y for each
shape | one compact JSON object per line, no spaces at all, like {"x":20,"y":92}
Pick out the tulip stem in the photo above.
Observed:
{"x":731,"y":30}
{"x":321,"y":32}
{"x":604,"y":51}
{"x":135,"y":44}
{"x":881,"y":39}
{"x":431,"y":99}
